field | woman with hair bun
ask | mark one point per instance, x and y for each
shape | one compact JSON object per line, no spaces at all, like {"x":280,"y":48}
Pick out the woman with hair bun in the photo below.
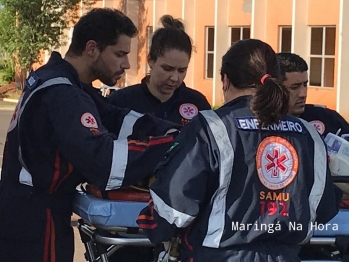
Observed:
{"x":163,"y":92}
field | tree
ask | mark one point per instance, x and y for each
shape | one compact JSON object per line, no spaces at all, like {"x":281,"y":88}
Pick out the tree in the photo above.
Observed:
{"x":27,"y":27}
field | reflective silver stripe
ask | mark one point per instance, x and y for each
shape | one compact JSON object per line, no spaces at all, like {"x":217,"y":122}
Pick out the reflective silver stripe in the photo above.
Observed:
{"x":216,"y":223}
{"x":118,"y":167}
{"x":25,"y":178}
{"x":317,"y":190}
{"x":48,"y":83}
{"x":128,"y":123}
{"x":171,"y":215}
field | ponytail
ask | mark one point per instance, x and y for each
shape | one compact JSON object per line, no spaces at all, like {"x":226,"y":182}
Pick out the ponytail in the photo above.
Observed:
{"x":270,"y":101}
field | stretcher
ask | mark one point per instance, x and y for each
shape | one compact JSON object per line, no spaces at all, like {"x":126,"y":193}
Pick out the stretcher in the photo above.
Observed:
{"x":330,"y":242}
{"x":106,"y":226}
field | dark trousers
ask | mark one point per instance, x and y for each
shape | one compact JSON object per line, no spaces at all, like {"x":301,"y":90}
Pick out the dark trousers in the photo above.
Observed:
{"x":133,"y":254}
{"x":21,"y":250}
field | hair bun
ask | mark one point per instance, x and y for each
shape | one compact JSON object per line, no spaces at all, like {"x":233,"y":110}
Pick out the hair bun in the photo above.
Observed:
{"x":168,"y":21}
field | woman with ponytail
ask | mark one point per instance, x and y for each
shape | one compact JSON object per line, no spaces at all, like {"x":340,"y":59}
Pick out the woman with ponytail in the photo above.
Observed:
{"x":163,"y":92}
{"x":246,"y":182}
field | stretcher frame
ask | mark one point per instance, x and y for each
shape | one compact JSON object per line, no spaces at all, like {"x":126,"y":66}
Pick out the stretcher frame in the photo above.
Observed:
{"x":96,"y":242}
{"x":333,"y":241}
{"x":99,"y":246}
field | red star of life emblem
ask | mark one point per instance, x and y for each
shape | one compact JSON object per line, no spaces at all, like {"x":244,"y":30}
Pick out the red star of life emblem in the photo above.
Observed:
{"x":188,"y":111}
{"x":318,"y":127}
{"x":276,"y":162}
{"x":90,"y":120}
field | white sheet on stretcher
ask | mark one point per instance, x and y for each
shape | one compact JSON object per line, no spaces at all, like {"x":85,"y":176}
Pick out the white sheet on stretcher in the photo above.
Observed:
{"x":107,"y":213}
{"x":124,"y":214}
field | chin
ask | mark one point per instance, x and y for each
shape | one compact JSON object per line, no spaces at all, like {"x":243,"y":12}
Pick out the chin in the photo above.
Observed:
{"x":298,"y":113}
{"x":109,"y":83}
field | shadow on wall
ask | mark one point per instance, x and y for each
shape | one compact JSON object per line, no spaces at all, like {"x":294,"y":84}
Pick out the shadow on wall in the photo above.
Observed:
{"x":142,"y":26}
{"x":247,"y":6}
{"x":122,"y":8}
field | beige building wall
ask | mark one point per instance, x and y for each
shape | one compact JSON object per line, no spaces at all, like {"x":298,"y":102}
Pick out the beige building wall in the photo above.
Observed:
{"x":266,"y":20}
{"x":323,"y":13}
{"x":342,"y":104}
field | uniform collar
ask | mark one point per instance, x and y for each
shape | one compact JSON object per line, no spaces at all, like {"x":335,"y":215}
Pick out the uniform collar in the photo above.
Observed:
{"x":240,"y":99}
{"x":57,"y":60}
{"x":175,"y":95}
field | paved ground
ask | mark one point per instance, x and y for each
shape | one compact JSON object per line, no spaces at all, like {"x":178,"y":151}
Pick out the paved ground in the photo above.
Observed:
{"x":6,"y":111}
{"x":79,"y":247}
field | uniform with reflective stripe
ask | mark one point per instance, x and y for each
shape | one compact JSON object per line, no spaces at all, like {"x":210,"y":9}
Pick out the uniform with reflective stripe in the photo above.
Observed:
{"x":55,"y":141}
{"x":215,"y":177}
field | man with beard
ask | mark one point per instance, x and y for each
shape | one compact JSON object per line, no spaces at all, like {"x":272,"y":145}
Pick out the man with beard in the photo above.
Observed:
{"x":294,"y":75}
{"x":56,"y":140}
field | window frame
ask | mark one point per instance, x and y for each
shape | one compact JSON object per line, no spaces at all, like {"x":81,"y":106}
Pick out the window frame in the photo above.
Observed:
{"x":149,"y":30}
{"x":280,"y":37}
{"x":241,"y":32}
{"x":207,"y":52}
{"x":323,"y":55}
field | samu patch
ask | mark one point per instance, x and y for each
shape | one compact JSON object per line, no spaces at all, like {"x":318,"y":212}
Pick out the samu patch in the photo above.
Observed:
{"x":188,"y":111}
{"x":319,"y":126}
{"x":277,"y":162}
{"x":88,"y":120}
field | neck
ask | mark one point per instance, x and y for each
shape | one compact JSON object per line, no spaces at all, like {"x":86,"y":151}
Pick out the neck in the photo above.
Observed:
{"x":233,"y":93}
{"x":155,"y":92}
{"x":295,"y":115}
{"x":81,"y":66}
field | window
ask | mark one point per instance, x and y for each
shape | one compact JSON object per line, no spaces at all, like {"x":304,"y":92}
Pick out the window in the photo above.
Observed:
{"x":322,"y":56}
{"x":209,"y":52}
{"x":285,"y":36}
{"x":239,"y":33}
{"x":149,"y":34}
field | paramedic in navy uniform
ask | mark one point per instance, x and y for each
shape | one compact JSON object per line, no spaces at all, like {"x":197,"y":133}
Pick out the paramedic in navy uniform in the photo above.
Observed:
{"x":163,"y":92}
{"x":234,"y":173}
{"x":56,"y":140}
{"x":294,"y":75}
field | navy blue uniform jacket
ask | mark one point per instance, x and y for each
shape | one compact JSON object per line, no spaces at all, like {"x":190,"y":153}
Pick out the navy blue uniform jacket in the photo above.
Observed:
{"x":227,"y":187}
{"x":184,"y":104}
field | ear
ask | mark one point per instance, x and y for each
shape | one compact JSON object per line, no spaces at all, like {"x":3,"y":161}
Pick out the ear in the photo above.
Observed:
{"x":150,"y":63}
{"x":226,"y":83}
{"x":91,"y":48}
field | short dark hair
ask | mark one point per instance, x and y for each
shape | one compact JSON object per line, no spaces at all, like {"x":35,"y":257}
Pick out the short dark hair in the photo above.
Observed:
{"x":103,"y":25}
{"x":171,"y":36}
{"x":290,"y":62}
{"x":245,"y":64}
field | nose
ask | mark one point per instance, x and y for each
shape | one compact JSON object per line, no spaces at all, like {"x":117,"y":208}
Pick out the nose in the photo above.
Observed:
{"x":303,"y":92}
{"x":174,"y":77}
{"x":126,"y":63}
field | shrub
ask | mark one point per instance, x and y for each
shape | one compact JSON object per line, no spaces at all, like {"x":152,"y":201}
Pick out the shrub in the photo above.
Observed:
{"x":8,"y":71}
